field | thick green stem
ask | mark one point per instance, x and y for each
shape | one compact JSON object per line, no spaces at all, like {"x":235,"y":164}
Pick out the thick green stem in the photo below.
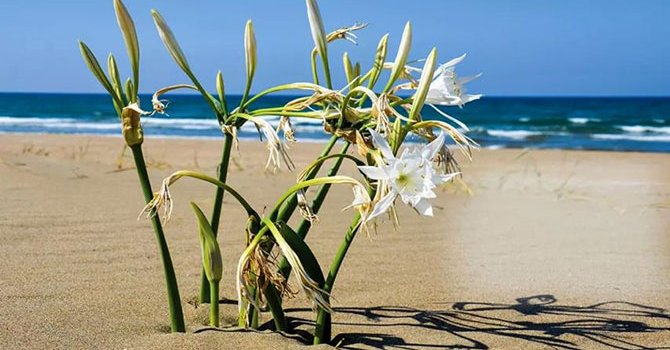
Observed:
{"x":287,"y":210}
{"x":214,"y":304}
{"x":322,"y":330}
{"x":174,"y":302}
{"x":216,"y":211}
{"x":274,"y":302}
{"x":305,"y":225}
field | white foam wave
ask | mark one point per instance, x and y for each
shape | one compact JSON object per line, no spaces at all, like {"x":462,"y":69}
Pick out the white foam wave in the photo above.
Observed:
{"x":513,"y":134}
{"x":300,"y":124}
{"x":641,"y":129}
{"x":629,"y":137}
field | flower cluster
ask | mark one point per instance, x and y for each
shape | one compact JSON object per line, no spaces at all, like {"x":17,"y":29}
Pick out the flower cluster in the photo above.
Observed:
{"x":374,"y":116}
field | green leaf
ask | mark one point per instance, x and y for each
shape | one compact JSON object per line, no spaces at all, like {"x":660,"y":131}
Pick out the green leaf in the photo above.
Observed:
{"x":307,"y":257}
{"x":211,"y":254}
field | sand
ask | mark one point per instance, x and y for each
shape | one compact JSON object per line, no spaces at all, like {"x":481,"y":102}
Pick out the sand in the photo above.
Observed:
{"x":542,"y":250}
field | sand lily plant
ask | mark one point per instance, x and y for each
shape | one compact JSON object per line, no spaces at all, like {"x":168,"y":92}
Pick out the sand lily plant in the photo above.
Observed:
{"x":399,"y":157}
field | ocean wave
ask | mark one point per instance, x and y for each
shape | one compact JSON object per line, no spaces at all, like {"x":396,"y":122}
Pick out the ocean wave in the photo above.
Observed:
{"x":301,"y":125}
{"x":641,"y":129}
{"x":513,"y":134}
{"x":582,"y":120}
{"x":629,"y":137}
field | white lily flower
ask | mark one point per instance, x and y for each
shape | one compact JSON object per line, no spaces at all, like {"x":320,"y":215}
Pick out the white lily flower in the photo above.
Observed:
{"x":410,"y":177}
{"x":447,"y":88}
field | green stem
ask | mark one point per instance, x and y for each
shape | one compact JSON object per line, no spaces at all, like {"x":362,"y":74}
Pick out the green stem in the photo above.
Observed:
{"x":288,"y":208}
{"x":174,"y":302}
{"x":323,"y":327}
{"x":214,"y":304}
{"x":284,"y":215}
{"x":216,"y":211}
{"x":274,"y":302}
{"x":305,"y":225}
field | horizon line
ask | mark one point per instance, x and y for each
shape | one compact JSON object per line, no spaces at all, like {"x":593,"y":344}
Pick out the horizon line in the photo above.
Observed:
{"x":571,"y":95}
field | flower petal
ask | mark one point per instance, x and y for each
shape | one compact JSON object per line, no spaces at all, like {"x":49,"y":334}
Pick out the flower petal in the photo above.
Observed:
{"x":383,"y":205}
{"x":373,"y":172}
{"x":424,"y":208}
{"x":381,"y":144}
{"x":430,"y":150}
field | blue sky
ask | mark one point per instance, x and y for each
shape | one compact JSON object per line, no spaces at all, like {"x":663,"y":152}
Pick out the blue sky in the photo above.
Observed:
{"x":571,"y":47}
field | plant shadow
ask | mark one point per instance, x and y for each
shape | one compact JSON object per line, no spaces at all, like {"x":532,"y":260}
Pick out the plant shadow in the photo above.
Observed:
{"x":537,"y":320}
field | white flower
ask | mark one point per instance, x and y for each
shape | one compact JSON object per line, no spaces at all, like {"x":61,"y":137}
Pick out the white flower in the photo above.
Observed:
{"x":410,"y":177}
{"x":447,"y":88}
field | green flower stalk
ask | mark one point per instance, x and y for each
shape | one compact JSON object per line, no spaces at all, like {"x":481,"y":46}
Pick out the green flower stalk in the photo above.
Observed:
{"x":134,"y":137}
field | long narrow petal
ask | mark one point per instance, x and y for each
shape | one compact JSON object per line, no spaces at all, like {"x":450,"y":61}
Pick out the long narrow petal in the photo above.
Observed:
{"x":383,"y":205}
{"x":430,"y":150}
{"x":424,"y":208}
{"x":382,"y":145}
{"x":373,"y":172}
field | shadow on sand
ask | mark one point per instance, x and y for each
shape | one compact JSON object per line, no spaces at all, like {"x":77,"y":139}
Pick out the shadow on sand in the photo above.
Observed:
{"x":536,"y":321}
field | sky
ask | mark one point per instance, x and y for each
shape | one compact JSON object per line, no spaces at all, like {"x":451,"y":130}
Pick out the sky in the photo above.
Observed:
{"x":523,"y":47}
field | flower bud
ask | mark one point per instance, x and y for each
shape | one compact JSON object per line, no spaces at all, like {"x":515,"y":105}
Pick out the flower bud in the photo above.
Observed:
{"x":130,"y":37}
{"x":378,"y":64}
{"x":317,"y":28}
{"x":250,"y":50}
{"x":424,"y":85}
{"x":171,"y":42}
{"x":401,"y":57}
{"x":94,"y":66}
{"x":211,"y":254}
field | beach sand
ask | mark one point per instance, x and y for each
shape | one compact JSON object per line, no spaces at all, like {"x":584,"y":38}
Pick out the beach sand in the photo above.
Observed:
{"x":545,"y":250}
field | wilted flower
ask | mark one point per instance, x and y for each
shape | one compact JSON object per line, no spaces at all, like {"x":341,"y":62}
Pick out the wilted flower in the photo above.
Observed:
{"x":346,"y":33}
{"x":305,"y":210}
{"x":410,"y":177}
{"x":287,"y":128}
{"x":275,"y":145}
{"x":162,"y":199}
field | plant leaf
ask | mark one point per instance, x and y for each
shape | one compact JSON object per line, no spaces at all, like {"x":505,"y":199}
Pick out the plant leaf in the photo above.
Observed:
{"x":305,"y":254}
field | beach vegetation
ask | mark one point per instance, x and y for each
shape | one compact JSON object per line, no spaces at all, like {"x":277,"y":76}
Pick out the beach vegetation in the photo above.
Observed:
{"x":371,"y":118}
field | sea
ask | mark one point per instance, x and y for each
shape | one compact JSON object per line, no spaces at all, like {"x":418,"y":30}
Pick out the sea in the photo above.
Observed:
{"x":639,"y":124}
